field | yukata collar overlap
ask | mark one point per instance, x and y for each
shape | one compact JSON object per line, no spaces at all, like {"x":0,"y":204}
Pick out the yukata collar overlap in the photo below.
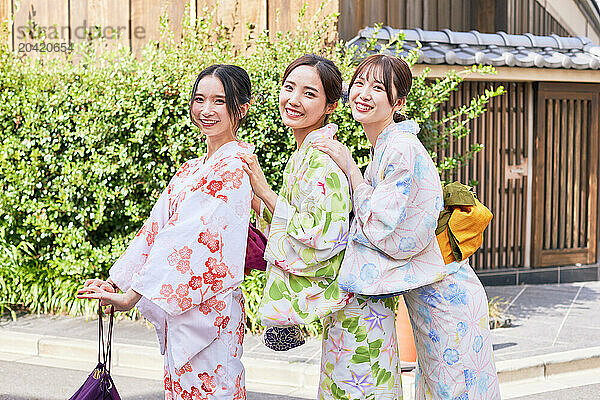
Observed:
{"x":408,"y":126}
{"x":325,"y":132}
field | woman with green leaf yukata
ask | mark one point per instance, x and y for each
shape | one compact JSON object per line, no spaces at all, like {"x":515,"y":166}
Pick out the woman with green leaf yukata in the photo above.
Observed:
{"x":309,"y":219}
{"x":308,"y":235}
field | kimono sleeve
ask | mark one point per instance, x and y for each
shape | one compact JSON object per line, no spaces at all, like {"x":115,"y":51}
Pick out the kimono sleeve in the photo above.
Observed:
{"x":201,"y":253}
{"x":384,"y":211}
{"x":132,"y":260}
{"x":317,"y":229}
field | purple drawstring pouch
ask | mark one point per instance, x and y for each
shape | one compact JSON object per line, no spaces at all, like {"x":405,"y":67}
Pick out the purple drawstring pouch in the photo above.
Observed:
{"x":255,"y":250}
{"x":99,"y":385}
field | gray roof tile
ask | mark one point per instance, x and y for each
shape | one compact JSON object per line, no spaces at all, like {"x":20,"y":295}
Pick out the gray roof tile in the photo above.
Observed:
{"x":497,"y":49}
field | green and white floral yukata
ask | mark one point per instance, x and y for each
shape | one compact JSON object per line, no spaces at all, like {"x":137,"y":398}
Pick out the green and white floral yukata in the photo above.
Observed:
{"x":307,"y":238}
{"x":360,"y":352}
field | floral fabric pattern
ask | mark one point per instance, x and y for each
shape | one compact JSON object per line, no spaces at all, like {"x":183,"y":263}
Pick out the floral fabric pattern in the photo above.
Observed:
{"x":359,"y":357}
{"x":217,"y":371}
{"x":308,"y":233}
{"x":188,"y":258}
{"x":393,"y":249}
{"x":452,"y":336}
{"x":392,"y":246}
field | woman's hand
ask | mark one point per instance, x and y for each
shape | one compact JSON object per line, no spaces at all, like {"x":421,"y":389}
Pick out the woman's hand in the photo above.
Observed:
{"x":120,"y":301}
{"x":106,"y":285}
{"x":259,"y":183}
{"x":342,"y":156}
{"x":337,"y":151}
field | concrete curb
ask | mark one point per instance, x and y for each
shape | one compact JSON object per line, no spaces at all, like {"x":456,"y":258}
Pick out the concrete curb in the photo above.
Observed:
{"x":291,"y":376}
{"x":542,"y":367}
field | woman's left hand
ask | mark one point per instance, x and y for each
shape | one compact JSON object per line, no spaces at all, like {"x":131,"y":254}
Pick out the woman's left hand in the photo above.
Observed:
{"x":120,"y":301}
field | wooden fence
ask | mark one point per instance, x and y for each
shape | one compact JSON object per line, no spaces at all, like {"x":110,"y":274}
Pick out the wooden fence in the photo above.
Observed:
{"x":500,"y":169}
{"x":537,"y":172}
{"x":134,"y":22}
{"x":530,"y":16}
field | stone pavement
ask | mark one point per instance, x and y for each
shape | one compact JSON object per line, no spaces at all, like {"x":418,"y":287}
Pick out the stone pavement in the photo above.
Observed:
{"x":547,"y":319}
{"x":555,"y":329}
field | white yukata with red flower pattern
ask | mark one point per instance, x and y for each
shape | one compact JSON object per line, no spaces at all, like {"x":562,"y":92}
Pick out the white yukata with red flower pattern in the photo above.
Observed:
{"x":187,"y":262}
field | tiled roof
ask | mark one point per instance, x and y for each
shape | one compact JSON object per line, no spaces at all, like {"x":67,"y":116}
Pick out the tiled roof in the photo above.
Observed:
{"x":497,"y":49}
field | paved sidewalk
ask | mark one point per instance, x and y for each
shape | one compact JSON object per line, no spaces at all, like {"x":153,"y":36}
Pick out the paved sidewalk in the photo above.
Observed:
{"x":547,"y":319}
{"x":555,"y":329}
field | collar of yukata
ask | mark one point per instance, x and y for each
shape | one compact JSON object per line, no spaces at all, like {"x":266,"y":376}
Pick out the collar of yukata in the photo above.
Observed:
{"x":325,"y":132}
{"x":236,"y":146}
{"x":408,"y":126}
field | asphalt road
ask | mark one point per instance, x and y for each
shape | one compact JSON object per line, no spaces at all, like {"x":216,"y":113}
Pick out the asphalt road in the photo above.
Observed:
{"x":20,"y":381}
{"x":586,"y":392}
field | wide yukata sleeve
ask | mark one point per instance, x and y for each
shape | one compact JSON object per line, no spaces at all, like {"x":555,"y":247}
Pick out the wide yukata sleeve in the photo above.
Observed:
{"x":383,"y":211}
{"x":201,"y":253}
{"x":317,"y":229}
{"x":134,"y":257}
{"x":309,"y":231}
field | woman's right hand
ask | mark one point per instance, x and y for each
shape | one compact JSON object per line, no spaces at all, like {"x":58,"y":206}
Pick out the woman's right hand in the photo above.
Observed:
{"x":259,"y":183}
{"x":107,"y":285}
{"x":119,"y":301}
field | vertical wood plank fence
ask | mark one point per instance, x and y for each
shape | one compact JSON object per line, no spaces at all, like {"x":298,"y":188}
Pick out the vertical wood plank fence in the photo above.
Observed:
{"x":500,"y":169}
{"x":137,"y":21}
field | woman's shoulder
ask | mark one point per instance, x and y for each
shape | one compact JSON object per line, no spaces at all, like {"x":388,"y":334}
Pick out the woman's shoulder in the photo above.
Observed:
{"x":317,"y":160}
{"x":402,"y":138}
{"x":231,"y":157}
{"x":405,"y":131}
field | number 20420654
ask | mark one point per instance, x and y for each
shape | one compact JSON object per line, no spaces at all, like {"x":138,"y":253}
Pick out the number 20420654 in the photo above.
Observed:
{"x":46,"y":47}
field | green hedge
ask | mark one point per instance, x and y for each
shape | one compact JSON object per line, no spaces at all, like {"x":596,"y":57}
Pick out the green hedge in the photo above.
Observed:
{"x":88,"y":142}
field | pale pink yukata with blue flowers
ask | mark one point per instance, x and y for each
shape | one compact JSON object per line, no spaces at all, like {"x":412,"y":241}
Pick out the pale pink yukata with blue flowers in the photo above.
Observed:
{"x":392,"y":249}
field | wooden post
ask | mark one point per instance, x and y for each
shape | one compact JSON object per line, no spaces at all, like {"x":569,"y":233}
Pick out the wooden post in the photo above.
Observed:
{"x":484,"y":13}
{"x":6,"y":17}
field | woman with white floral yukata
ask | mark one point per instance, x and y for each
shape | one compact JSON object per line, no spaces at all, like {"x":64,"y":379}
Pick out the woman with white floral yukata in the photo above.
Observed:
{"x":185,"y":265}
{"x":393,"y":249}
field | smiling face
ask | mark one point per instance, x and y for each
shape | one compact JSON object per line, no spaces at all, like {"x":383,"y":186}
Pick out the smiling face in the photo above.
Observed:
{"x":302,"y":100}
{"x":369,"y":100}
{"x":209,"y":109}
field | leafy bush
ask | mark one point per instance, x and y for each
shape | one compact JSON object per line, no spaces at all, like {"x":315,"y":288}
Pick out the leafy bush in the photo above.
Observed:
{"x":88,"y":142}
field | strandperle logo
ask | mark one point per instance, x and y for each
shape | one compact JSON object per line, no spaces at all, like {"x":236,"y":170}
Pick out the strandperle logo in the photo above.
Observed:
{"x":55,"y":32}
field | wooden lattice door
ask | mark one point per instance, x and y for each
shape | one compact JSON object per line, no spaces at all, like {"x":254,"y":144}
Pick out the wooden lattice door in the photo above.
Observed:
{"x":565,"y":191}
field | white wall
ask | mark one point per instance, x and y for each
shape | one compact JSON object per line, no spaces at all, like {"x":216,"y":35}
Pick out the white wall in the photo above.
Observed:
{"x":569,"y":14}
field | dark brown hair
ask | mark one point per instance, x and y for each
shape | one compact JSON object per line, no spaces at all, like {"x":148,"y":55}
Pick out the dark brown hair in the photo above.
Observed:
{"x":328,"y":72}
{"x":237,"y":87}
{"x":397,"y":77}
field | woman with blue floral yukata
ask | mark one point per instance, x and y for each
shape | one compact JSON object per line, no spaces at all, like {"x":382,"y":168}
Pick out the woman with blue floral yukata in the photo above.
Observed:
{"x":184,"y":266}
{"x":392,"y":247}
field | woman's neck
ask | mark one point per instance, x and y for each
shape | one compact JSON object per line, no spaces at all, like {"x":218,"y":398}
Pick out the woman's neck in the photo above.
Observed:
{"x":213,"y":143}
{"x":301,"y":133}
{"x":374,"y":129}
